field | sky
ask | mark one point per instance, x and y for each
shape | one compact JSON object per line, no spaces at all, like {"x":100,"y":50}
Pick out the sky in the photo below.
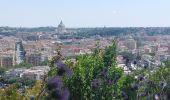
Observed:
{"x":85,"y":13}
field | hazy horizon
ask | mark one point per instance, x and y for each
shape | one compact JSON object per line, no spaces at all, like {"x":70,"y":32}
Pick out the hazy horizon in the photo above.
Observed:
{"x":84,"y":14}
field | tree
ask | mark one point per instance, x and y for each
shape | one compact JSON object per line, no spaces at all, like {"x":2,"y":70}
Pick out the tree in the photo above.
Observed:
{"x":11,"y":93}
{"x":23,"y":65}
{"x":44,"y":63}
{"x":96,"y":76}
{"x":35,"y":90}
{"x":2,"y":71}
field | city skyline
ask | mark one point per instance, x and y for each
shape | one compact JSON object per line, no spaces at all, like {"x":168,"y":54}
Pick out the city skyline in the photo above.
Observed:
{"x":76,"y":13}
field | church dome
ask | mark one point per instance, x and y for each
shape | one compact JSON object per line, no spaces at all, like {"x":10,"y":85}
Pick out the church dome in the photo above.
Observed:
{"x":61,"y":24}
{"x":61,"y":28}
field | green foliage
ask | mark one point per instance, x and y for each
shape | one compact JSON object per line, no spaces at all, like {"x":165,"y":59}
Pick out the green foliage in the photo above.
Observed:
{"x":11,"y":93}
{"x":109,"y":56}
{"x":2,"y":70}
{"x":87,"y":32}
{"x":89,"y":68}
{"x":28,"y":82}
{"x":23,"y":65}
{"x":21,"y":81}
{"x":35,"y":90}
{"x":44,"y":63}
{"x":154,"y":82}
{"x":161,"y":75}
{"x":52,"y":72}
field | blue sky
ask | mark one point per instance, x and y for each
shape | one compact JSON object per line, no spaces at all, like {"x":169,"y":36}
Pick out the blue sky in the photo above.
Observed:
{"x":85,"y":13}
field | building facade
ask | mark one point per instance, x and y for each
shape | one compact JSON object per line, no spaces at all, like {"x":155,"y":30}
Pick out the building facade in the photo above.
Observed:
{"x":34,"y":59}
{"x":6,"y":61}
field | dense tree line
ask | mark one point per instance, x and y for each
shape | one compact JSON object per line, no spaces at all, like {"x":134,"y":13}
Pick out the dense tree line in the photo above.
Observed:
{"x":87,"y":32}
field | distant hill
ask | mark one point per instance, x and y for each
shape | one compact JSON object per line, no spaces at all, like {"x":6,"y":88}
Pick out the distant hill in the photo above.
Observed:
{"x":12,"y":31}
{"x":86,"y":32}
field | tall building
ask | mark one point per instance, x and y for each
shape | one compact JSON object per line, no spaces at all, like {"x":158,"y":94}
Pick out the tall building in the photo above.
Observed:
{"x":19,"y":53}
{"x":6,"y":58}
{"x":130,"y":44}
{"x":61,"y":28}
{"x":33,"y":59}
{"x":6,"y":61}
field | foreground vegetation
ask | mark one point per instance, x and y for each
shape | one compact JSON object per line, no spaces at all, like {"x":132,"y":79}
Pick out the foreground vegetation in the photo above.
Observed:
{"x":96,"y":77}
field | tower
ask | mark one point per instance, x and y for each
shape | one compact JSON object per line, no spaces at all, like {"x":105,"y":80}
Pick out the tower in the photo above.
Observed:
{"x":19,"y":52}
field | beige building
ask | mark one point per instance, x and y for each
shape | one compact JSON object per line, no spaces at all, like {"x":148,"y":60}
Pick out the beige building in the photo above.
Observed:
{"x":33,"y":59}
{"x":7,"y":59}
{"x":127,"y":44}
{"x":130,"y":44}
